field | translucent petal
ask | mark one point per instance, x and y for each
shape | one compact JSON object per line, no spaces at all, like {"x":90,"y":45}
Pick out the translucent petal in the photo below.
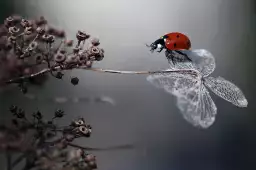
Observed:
{"x":226,"y":90}
{"x":193,"y":100}
{"x":199,"y":108}
{"x":177,"y":84}
{"x":202,"y":60}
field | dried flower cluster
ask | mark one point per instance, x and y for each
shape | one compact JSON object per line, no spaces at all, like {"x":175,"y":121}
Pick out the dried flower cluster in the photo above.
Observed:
{"x":45,"y":145}
{"x":30,"y":46}
{"x":28,"y":50}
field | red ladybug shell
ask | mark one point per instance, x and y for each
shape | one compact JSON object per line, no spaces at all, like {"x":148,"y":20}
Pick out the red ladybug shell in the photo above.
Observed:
{"x":177,"y":41}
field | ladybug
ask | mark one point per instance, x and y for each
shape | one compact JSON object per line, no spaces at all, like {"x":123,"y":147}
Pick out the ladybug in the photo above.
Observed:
{"x":172,"y":42}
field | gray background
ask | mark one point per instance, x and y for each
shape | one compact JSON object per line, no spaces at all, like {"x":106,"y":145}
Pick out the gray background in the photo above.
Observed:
{"x":144,"y":115}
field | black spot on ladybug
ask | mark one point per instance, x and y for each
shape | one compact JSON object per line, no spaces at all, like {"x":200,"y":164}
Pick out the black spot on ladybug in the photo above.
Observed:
{"x":178,"y":36}
{"x":174,"y":44}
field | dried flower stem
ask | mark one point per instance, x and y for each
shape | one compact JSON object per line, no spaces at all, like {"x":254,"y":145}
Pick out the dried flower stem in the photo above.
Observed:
{"x":44,"y":71}
{"x":101,"y":149}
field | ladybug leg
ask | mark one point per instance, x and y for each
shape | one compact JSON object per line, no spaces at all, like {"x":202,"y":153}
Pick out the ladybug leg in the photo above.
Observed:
{"x":183,"y":54}
{"x":161,"y":49}
{"x":170,"y":57}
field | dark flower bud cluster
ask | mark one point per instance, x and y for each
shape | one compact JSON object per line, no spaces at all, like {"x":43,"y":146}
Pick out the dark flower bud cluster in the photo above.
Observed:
{"x":50,"y":145}
{"x":30,"y":48}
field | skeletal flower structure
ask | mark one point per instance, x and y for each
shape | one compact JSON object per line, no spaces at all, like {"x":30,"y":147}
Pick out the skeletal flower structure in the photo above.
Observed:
{"x":193,"y":98}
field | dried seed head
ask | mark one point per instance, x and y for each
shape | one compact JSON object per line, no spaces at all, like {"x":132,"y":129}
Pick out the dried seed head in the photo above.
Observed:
{"x":59,"y":57}
{"x":25,"y":23}
{"x":33,"y":46}
{"x":89,"y":63}
{"x":95,"y":42}
{"x":14,"y":30}
{"x":9,"y":19}
{"x":9,"y":22}
{"x":81,"y":36}
{"x":85,"y":131}
{"x":48,"y":38}
{"x":28,"y":30}
{"x":94,"y":51}
{"x":78,"y":122}
{"x":100,"y":56}
{"x":40,"y":30}
{"x":12,"y":39}
{"x":83,"y":57}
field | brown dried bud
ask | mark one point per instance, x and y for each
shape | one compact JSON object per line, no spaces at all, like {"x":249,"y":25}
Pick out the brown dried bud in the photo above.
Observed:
{"x":85,"y":131}
{"x":81,"y":36}
{"x":9,"y":21}
{"x":32,"y":46}
{"x":40,"y":31}
{"x":12,"y":39}
{"x":94,"y":50}
{"x":25,"y":23}
{"x":83,"y":57}
{"x":14,"y":30}
{"x":78,"y":122}
{"x":89,"y":63}
{"x":101,"y":55}
{"x":28,"y":30}
{"x":59,"y":58}
{"x":48,"y":38}
{"x":95,"y":42}
{"x":95,"y":53}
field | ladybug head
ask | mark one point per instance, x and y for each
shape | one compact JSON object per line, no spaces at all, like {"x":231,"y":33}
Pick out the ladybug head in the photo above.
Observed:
{"x":159,"y":43}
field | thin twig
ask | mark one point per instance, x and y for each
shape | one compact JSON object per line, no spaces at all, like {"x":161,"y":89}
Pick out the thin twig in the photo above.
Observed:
{"x":18,"y":160}
{"x":9,"y":161}
{"x":101,"y":149}
{"x":57,"y":68}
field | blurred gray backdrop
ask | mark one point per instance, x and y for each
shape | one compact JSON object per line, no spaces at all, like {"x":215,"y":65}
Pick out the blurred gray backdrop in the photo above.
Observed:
{"x":145,"y":115}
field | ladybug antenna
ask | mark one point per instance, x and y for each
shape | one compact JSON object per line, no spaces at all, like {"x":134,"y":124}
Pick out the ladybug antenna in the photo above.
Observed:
{"x":147,"y":45}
